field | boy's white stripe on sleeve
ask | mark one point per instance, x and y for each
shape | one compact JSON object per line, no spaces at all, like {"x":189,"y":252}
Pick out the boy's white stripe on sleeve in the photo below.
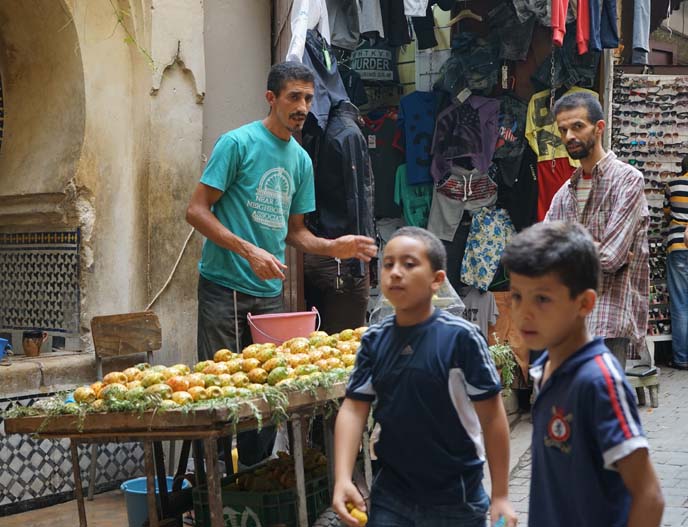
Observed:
{"x":621,"y":393}
{"x":465,"y":409}
{"x":622,"y":450}
{"x":366,"y":388}
{"x":475,"y":334}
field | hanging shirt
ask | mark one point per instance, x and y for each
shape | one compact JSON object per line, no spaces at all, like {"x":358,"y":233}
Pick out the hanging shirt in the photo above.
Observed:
{"x":353,"y":85}
{"x":481,"y":308}
{"x":544,"y":139}
{"x":376,"y":62}
{"x":344,"y":25}
{"x":416,"y":119}
{"x":415,"y":200}
{"x":370,"y":18}
{"x":520,"y":199}
{"x":551,"y":176}
{"x":305,"y":15}
{"x":511,"y":139}
{"x":559,"y":11}
{"x":467,"y":130}
{"x":490,"y":231}
{"x":396,"y":25}
{"x":381,"y":133}
{"x":415,"y":7}
{"x":540,"y":9}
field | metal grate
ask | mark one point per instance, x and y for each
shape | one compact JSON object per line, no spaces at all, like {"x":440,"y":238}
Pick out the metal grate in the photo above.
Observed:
{"x":39,"y":281}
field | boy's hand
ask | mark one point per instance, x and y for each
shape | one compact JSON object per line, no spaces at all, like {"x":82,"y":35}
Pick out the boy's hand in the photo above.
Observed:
{"x":347,"y":492}
{"x":502,"y":507}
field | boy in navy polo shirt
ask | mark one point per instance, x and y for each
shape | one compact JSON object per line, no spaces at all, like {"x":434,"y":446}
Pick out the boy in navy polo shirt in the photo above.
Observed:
{"x":435,"y":386}
{"x":591,"y":465}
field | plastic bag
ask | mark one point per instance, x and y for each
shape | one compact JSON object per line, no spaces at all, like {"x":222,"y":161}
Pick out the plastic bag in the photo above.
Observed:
{"x":446,"y":298}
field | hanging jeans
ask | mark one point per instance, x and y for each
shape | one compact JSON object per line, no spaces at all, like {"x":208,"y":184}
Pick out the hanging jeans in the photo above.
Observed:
{"x":677,"y":282}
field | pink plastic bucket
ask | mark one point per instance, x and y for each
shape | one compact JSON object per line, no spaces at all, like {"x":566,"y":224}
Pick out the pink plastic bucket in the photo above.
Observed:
{"x":278,"y":327}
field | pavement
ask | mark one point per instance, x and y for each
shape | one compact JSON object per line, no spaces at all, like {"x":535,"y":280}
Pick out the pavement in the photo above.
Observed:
{"x":666,"y":428}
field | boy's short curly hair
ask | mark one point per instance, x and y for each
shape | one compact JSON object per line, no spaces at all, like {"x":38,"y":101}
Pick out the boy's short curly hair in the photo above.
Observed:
{"x":555,"y":247}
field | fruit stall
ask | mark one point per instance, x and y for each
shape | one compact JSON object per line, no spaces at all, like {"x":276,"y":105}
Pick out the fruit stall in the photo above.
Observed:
{"x":203,"y":405}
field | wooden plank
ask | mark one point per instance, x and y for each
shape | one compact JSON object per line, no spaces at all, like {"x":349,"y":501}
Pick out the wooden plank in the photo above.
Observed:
{"x":126,"y":334}
{"x":169,"y":422}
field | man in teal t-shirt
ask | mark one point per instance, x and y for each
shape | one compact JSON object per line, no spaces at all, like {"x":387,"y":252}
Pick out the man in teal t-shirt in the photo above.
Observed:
{"x":249,"y":204}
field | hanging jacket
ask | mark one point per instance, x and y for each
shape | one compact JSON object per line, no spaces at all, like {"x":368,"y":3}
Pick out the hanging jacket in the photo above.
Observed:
{"x":329,"y":88}
{"x":343,"y":179}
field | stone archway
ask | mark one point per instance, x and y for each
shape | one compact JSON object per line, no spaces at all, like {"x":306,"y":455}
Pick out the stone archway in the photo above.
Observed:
{"x":44,"y":102}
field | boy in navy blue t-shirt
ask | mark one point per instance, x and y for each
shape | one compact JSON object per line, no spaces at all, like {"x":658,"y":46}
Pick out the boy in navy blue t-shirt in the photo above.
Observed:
{"x":435,"y":386}
{"x":591,"y":465}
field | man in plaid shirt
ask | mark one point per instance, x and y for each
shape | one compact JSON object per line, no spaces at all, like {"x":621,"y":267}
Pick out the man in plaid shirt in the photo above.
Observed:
{"x":607,"y":197}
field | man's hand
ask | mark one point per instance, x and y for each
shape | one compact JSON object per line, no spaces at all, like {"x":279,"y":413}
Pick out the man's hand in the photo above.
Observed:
{"x":685,"y":235}
{"x":345,"y":492}
{"x":501,"y":507}
{"x":265,"y":265}
{"x":354,"y":246}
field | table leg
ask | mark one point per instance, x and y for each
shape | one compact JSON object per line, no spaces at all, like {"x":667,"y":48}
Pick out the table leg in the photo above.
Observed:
{"x":181,"y":467}
{"x":173,"y":453}
{"x":328,"y":440}
{"x":297,"y":425}
{"x":78,"y":489}
{"x":149,"y":463}
{"x":162,"y":479}
{"x":214,"y":484}
{"x":640,"y":392}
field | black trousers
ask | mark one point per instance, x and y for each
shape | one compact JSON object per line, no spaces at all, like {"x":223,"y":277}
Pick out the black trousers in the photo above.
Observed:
{"x":340,"y":308}
{"x":217,"y":330}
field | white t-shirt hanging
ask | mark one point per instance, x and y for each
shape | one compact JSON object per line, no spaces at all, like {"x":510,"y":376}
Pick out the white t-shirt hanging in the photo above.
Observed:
{"x":415,"y":7}
{"x":305,"y":15}
{"x":481,"y":308}
{"x":370,"y":19}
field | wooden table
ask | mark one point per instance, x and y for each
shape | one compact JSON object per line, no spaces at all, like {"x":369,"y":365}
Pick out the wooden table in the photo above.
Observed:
{"x":205,"y":425}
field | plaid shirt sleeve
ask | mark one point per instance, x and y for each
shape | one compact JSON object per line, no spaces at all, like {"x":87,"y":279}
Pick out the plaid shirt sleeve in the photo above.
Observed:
{"x":618,"y":236}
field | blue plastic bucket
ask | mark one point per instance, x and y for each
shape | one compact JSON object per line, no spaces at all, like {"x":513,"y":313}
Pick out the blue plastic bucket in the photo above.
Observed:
{"x":135,"y":498}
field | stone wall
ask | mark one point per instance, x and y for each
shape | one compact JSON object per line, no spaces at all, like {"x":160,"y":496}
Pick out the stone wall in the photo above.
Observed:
{"x":111,"y":108}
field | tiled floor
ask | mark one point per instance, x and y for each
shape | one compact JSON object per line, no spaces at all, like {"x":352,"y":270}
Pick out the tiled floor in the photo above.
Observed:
{"x":106,"y":510}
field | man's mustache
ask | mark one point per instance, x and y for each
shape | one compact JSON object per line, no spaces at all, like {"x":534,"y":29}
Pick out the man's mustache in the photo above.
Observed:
{"x":297,"y":115}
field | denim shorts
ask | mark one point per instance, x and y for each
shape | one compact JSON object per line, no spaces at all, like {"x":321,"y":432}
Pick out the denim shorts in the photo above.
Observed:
{"x":390,"y":510}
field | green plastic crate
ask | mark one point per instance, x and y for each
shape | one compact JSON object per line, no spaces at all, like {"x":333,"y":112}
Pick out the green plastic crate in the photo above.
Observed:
{"x":262,"y":509}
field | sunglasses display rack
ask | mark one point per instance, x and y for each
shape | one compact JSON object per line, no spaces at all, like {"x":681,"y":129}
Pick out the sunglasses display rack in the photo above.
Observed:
{"x":650,"y":132}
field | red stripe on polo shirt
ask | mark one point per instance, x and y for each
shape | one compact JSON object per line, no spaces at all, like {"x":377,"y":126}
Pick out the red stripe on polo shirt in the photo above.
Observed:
{"x":612,"y":396}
